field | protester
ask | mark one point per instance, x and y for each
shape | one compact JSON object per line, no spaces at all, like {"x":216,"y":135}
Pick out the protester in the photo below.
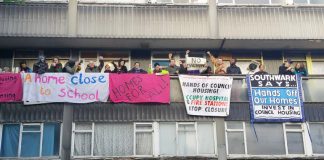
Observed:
{"x":286,"y":68}
{"x":72,"y":67}
{"x":157,"y":69}
{"x":40,"y":67}
{"x":172,"y":68}
{"x":218,"y":63}
{"x":120,"y":68}
{"x":183,"y":69}
{"x":92,"y":68}
{"x":56,"y":66}
{"x":137,"y":69}
{"x":261,"y":70}
{"x":233,"y":69}
{"x":300,"y":69}
{"x":6,"y":70}
{"x":107,"y":69}
{"x":23,"y":68}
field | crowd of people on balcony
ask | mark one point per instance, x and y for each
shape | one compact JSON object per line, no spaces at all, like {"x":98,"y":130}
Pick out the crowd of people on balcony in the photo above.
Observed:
{"x":73,"y":66}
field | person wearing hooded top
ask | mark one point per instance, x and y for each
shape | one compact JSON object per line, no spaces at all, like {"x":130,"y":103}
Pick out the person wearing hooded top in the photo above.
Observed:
{"x":24,"y":68}
{"x":56,"y":66}
{"x":286,"y":68}
{"x":40,"y":67}
{"x":137,"y":69}
{"x":120,"y":68}
{"x":183,"y":67}
{"x":92,"y":68}
{"x":72,"y":67}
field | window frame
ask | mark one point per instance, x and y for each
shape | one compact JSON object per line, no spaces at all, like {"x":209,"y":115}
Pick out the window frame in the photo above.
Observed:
{"x":74,"y":131}
{"x":286,"y":155}
{"x":41,"y":141}
{"x":144,"y":131}
{"x":311,"y":145}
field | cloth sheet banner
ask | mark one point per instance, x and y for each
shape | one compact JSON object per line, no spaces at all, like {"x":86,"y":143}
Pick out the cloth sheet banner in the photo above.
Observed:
{"x":11,"y":88}
{"x":63,"y":87}
{"x":139,"y":88}
{"x":206,"y":95}
{"x":275,"y":98}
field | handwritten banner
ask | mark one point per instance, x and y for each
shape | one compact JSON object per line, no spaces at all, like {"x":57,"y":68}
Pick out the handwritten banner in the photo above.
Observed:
{"x":275,"y":98}
{"x":137,"y":88}
{"x":195,"y":63}
{"x":63,"y":87}
{"x":205,"y":95}
{"x":10,"y":87}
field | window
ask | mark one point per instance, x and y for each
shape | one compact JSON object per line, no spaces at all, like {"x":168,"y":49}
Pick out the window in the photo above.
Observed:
{"x":264,"y":139}
{"x":64,"y":56}
{"x":317,"y":63}
{"x":28,"y":56}
{"x":187,"y":139}
{"x":162,"y":58}
{"x":296,"y":57}
{"x":316,"y":133}
{"x":30,"y":140}
{"x":294,"y":138}
{"x":235,"y":137}
{"x":109,"y":57}
{"x":144,"y":139}
{"x":83,"y":139}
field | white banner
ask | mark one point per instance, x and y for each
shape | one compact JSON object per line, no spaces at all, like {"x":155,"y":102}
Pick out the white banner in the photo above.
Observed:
{"x":196,"y":63}
{"x":63,"y":87}
{"x":206,"y":95}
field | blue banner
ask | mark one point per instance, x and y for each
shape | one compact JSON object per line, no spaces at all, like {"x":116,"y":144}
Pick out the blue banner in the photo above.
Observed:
{"x":275,"y":98}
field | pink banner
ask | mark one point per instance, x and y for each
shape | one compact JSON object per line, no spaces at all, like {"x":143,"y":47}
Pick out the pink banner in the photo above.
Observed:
{"x":139,"y":88}
{"x":10,"y":87}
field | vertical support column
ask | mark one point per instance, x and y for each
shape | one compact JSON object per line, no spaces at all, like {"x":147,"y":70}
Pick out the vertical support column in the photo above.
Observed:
{"x":309,"y":63}
{"x":67,"y":132}
{"x":72,"y":18}
{"x":213,"y":21}
{"x":221,"y":143}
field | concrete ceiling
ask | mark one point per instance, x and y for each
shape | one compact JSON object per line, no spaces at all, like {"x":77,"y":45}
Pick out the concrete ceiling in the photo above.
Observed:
{"x":66,"y":42}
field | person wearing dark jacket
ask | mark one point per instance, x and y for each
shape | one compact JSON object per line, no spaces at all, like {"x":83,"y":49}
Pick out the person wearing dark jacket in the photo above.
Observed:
{"x":120,"y":68}
{"x":300,"y":69}
{"x":56,"y":65}
{"x":137,"y":69}
{"x":24,"y":68}
{"x":208,"y":70}
{"x":183,"y":68}
{"x":72,"y":67}
{"x":92,"y":68}
{"x":261,"y":70}
{"x":40,"y":67}
{"x":233,"y":69}
{"x":286,"y":68}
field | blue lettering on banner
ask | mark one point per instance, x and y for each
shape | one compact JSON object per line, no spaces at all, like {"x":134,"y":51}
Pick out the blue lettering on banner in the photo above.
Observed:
{"x":83,"y":79}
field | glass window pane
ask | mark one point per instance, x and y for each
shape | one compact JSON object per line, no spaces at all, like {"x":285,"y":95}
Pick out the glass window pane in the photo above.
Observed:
{"x":31,"y":128}
{"x":252,"y":1}
{"x":317,"y":135}
{"x":30,"y":144}
{"x":244,"y":65}
{"x":168,"y":138}
{"x":143,"y":126}
{"x":26,"y":54}
{"x":113,"y":139}
{"x":266,"y":144}
{"x":234,"y":125}
{"x":51,"y":139}
{"x":89,"y":54}
{"x":206,"y":141}
{"x":82,"y":144}
{"x":144,"y":143}
{"x":278,"y":1}
{"x":187,"y":144}
{"x":318,"y":67}
{"x":10,"y":140}
{"x":186,"y":127}
{"x":300,"y":1}
{"x":163,"y":63}
{"x":293,"y":126}
{"x":225,"y":1}
{"x":316,"y":1}
{"x":235,"y":142}
{"x":83,"y":126}
{"x":295,"y":143}
{"x":180,"y":1}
